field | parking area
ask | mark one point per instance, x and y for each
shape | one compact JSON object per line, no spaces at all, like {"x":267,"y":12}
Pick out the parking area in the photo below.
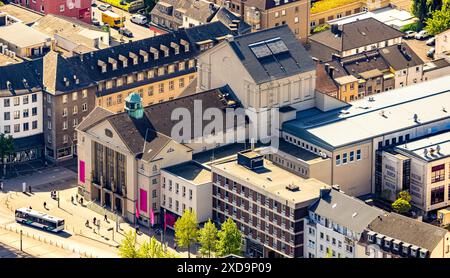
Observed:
{"x":420,"y":47}
{"x":139,"y":31}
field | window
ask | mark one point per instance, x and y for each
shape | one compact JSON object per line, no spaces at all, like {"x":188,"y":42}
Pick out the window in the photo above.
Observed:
{"x":6,"y":102}
{"x":358,"y":154}
{"x":190,"y":194}
{"x":34,"y":98}
{"x":171,"y":85}
{"x":181,"y":66}
{"x":84,"y":93}
{"x":321,"y":235}
{"x":150,"y":91}
{"x":75,"y":122}
{"x":74,"y":95}
{"x":75,"y":110}
{"x":84,"y":107}
{"x":338,"y":160}
{"x":352,"y":156}
{"x":438,"y":173}
{"x":64,"y":125}
{"x":17,"y":128}
{"x":181,"y":82}
{"x":184,"y":191}
{"x":191,"y":63}
{"x":344,"y":158}
{"x":25,"y":100}
{"x":437,"y":195}
{"x":34,"y":125}
{"x":161,"y":87}
{"x":6,"y":116}
{"x":7,"y":129}
{"x":16,"y":101}
{"x":349,"y":248}
{"x":26,"y":126}
{"x":16,"y":115}
{"x":26,"y":113}
{"x":296,"y":19}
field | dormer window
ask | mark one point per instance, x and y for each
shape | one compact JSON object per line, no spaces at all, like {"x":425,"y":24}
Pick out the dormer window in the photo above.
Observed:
{"x":134,"y":57}
{"x":155,"y":53}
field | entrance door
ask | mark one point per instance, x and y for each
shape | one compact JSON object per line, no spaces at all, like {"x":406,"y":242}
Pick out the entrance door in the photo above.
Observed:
{"x":108,"y":200}
{"x":118,"y":204}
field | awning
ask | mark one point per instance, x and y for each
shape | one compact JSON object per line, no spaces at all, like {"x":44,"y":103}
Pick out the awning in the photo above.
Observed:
{"x":26,"y":143}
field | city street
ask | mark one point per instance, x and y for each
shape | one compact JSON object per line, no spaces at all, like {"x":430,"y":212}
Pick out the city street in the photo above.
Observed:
{"x":92,"y":241}
{"x":139,"y":32}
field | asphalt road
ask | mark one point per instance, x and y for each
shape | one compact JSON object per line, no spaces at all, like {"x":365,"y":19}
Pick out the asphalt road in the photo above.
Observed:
{"x":139,"y":32}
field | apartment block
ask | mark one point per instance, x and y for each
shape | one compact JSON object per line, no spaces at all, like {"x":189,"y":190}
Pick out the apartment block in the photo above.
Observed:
{"x":187,"y":186}
{"x":335,"y":224}
{"x":268,"y":204}
{"x":392,"y":235}
{"x":79,"y":9}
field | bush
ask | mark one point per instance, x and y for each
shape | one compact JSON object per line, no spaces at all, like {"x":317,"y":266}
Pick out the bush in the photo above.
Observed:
{"x":416,"y":27}
{"x":320,"y":28}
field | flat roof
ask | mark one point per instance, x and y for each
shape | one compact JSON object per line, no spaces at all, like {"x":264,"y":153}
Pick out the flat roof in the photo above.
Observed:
{"x":383,"y":113}
{"x":273,"y":180}
{"x":26,"y":16}
{"x":191,"y":171}
{"x":21,"y":35}
{"x":417,"y":148}
{"x":388,"y":15}
{"x":6,"y":60}
{"x":346,"y":79}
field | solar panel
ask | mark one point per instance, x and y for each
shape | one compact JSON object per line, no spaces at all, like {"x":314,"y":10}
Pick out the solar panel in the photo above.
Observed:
{"x":261,"y":50}
{"x":277,"y":46}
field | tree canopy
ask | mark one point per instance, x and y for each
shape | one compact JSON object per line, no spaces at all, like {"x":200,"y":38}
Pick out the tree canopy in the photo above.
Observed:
{"x":230,"y":239}
{"x":208,"y":238}
{"x":186,"y":231}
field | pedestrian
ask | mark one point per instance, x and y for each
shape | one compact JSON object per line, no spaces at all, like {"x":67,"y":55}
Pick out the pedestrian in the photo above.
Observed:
{"x":76,"y":197}
{"x":81,"y":201}
{"x":71,"y":199}
{"x":137,"y":229}
{"x":106,"y":218}
{"x":87,"y":223}
{"x":94,"y":221}
{"x":31,"y":207}
{"x":45,"y":205}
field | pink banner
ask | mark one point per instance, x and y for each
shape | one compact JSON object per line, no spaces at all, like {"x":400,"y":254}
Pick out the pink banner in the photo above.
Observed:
{"x":82,"y":172}
{"x":137,"y":209}
{"x":143,"y":200}
{"x":152,"y":217}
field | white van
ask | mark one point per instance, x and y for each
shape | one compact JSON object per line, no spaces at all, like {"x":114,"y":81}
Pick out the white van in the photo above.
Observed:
{"x":139,"y":19}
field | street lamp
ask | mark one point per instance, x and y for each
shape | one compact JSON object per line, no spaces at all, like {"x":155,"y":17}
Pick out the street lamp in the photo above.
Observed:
{"x":112,"y":229}
{"x":58,"y":200}
{"x":21,"y":240}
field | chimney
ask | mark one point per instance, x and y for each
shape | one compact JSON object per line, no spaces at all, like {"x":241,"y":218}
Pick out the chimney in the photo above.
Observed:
{"x":134,"y":57}
{"x":124,"y":60}
{"x":77,"y":81}
{"x":144,"y":55}
{"x":324,"y":192}
{"x":155,"y":53}
{"x":185,"y":44}
{"x":165,"y":49}
{"x":176,"y":47}
{"x":335,"y":29}
{"x":66,"y":81}
{"x":113,"y":63}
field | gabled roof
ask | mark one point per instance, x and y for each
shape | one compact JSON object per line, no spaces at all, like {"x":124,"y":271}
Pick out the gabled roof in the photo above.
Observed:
{"x":408,"y":230}
{"x":357,"y":34}
{"x":345,"y":210}
{"x":287,"y":58}
{"x":15,"y":75}
{"x":199,"y":10}
{"x":400,"y":56}
{"x":230,"y":19}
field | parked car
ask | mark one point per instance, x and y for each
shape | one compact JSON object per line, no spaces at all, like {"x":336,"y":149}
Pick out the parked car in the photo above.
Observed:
{"x":431,"y":41}
{"x":104,"y":7}
{"x":139,"y":19}
{"x":409,"y":34}
{"x":95,"y":22}
{"x":422,"y":35}
{"x":431,"y":52}
{"x":125,"y":32}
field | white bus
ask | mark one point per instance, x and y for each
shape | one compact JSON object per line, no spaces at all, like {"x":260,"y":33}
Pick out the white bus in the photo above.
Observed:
{"x":39,"y":219}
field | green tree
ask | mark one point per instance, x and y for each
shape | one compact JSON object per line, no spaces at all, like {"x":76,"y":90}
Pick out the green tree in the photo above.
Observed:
{"x":186,"y":231}
{"x":401,"y":206}
{"x":439,"y":21}
{"x":127,"y":247}
{"x":151,"y":249}
{"x":405,"y":196}
{"x":230,"y":239}
{"x":419,"y":9}
{"x":6,"y":148}
{"x":208,"y":238}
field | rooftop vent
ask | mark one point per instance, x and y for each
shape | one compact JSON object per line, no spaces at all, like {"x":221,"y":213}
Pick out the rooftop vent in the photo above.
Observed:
{"x":293,"y":187}
{"x":438,"y":148}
